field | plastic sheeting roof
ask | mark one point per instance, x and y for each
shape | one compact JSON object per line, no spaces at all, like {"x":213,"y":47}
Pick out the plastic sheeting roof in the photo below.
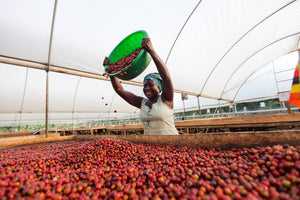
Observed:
{"x":220,"y":50}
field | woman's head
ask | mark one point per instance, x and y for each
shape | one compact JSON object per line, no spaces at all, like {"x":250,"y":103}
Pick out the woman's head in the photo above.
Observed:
{"x":152,"y":85}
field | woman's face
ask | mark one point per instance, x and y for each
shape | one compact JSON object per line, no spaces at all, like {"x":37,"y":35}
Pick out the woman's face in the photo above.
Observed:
{"x":150,"y":89}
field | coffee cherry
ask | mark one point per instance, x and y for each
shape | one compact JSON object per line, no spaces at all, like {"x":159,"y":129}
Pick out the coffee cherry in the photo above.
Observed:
{"x":121,"y":64}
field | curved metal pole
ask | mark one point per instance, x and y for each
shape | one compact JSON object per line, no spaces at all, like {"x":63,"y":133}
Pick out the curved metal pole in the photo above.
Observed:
{"x":218,"y":108}
{"x":274,"y":73}
{"x":48,"y":67}
{"x":251,"y":57}
{"x":239,"y":41}
{"x":182,"y":30}
{"x":252,"y":80}
{"x":23,"y":98}
{"x":199,"y":108}
{"x":74,"y":101}
{"x":223,"y":91}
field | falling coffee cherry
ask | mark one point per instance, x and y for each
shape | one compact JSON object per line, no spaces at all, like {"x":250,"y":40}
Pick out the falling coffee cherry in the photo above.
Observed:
{"x":106,"y":104}
{"x":102,"y":98}
{"x":115,"y":111}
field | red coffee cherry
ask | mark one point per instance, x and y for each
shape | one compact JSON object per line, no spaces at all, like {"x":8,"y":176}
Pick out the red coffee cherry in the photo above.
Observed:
{"x":121,"y":64}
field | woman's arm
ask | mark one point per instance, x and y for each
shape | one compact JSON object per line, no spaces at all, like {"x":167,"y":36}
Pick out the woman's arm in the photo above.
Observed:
{"x":167,"y":85}
{"x":129,"y":97}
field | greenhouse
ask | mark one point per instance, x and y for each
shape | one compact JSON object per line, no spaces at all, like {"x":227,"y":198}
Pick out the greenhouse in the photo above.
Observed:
{"x":232,"y":50}
{"x":234,"y":66}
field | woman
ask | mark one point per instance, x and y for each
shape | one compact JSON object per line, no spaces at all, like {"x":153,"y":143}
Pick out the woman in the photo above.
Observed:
{"x":157,"y":109}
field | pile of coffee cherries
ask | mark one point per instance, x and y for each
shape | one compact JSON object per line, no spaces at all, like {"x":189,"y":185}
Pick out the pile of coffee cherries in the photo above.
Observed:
{"x":121,"y":64}
{"x":116,"y":169}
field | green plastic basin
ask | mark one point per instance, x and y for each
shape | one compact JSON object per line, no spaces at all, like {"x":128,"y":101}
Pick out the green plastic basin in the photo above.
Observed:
{"x":128,"y":45}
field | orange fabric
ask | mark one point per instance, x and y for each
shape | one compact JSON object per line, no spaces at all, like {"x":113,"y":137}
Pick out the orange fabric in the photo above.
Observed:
{"x":295,"y":90}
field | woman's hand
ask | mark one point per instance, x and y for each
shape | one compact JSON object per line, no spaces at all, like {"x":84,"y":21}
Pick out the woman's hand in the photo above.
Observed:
{"x":106,"y":61}
{"x":147,"y":44}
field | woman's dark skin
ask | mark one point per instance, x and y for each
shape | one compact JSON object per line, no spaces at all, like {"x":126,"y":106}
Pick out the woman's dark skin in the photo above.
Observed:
{"x":150,"y":89}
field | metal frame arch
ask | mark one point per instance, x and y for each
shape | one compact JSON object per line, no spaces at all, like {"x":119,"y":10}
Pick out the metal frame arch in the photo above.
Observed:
{"x":48,"y":67}
{"x":181,"y":31}
{"x":249,"y":59}
{"x":23,"y":97}
{"x":51,"y":35}
{"x":74,"y":100}
{"x":240,"y":40}
{"x":248,"y":79}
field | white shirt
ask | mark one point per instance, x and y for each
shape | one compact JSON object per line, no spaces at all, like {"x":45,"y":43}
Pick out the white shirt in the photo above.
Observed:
{"x":158,"y":120}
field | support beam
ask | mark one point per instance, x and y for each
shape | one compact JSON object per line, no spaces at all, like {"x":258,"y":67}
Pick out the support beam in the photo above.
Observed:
{"x":74,"y":72}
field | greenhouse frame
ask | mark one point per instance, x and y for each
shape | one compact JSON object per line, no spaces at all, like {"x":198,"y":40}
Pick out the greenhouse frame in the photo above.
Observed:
{"x":218,"y":54}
